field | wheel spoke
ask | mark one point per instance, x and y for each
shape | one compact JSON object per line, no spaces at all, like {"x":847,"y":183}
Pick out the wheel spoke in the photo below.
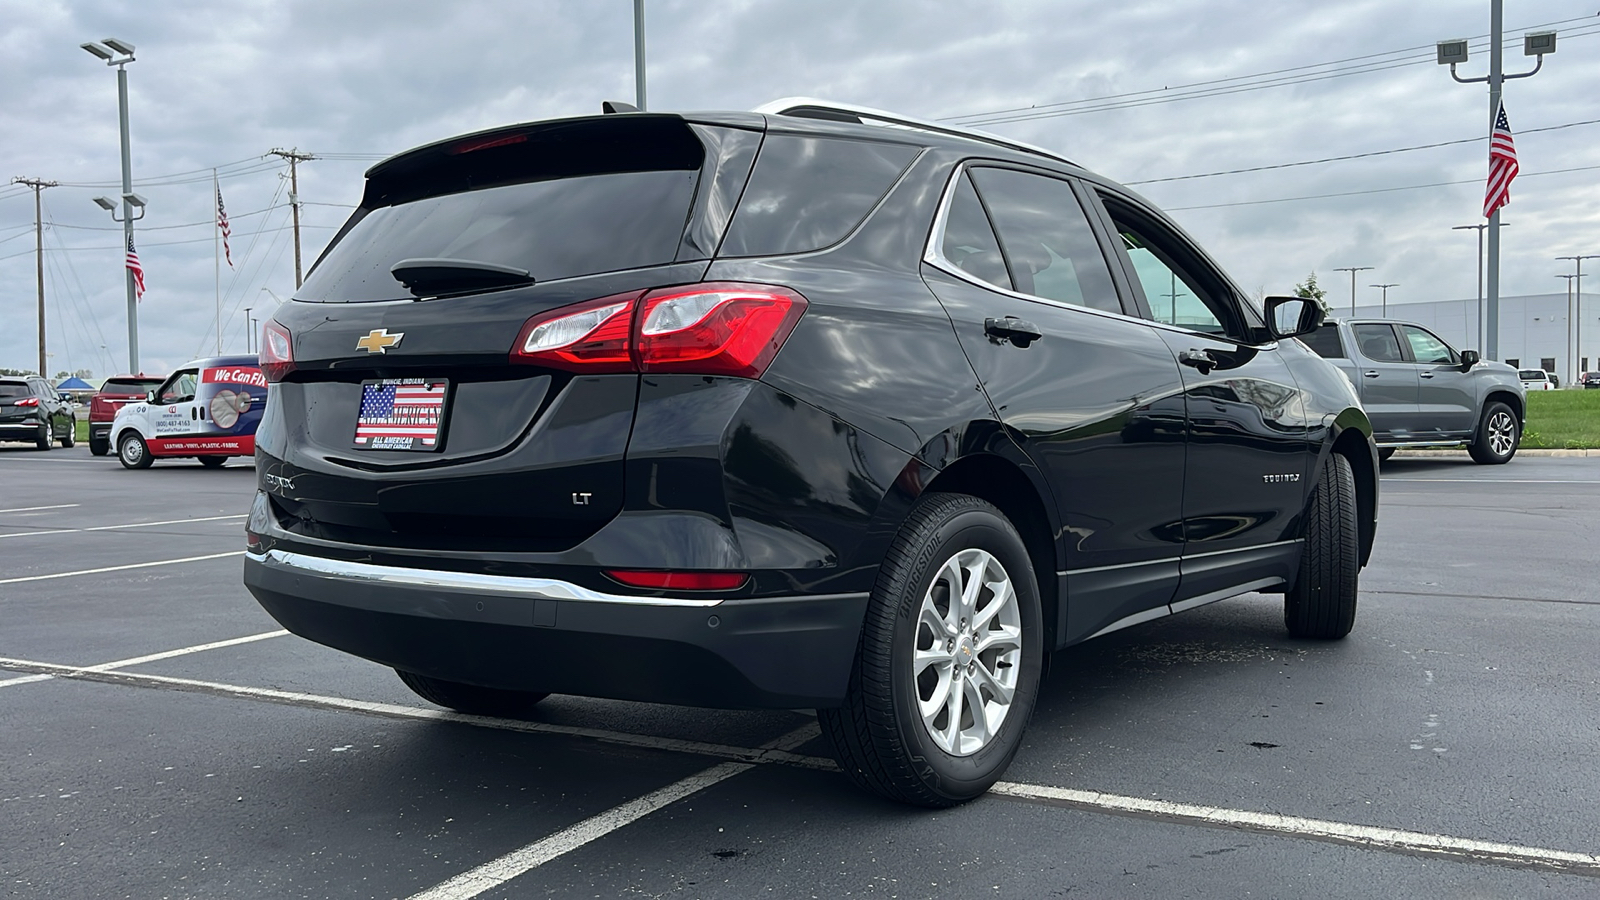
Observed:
{"x":952,"y":728}
{"x":936,"y":701}
{"x":1001,"y":599}
{"x":934,"y":620}
{"x":982,"y":677}
{"x":1005,"y":638}
{"x":973,"y":585}
{"x":980,"y":730}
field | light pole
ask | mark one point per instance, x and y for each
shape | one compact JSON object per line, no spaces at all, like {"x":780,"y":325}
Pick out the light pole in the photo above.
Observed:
{"x":119,"y":54}
{"x":1577,"y":283}
{"x":638,"y":54}
{"x":1385,"y":296}
{"x":1572,"y":356}
{"x":1455,"y":51}
{"x":1353,"y":270}
{"x":1479,"y":228}
{"x":249,"y":338}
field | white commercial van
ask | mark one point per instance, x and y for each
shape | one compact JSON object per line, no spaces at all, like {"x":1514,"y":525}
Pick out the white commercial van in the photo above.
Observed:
{"x":208,"y":410}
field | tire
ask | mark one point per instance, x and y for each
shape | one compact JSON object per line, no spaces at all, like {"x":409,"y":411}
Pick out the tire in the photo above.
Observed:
{"x":42,"y":440}
{"x":470,"y":698}
{"x":1322,"y":602}
{"x":132,"y":451}
{"x":1499,"y":433}
{"x":880,"y":735}
{"x":1384,"y":453}
{"x":72,"y":433}
{"x":212,"y":462}
{"x":99,"y":447}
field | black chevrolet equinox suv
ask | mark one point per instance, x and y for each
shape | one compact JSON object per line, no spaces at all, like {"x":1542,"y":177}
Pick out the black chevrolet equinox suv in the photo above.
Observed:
{"x":812,"y":407}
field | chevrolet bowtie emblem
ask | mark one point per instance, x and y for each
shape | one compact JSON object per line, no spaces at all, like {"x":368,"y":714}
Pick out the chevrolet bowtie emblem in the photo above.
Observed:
{"x":379,"y":340}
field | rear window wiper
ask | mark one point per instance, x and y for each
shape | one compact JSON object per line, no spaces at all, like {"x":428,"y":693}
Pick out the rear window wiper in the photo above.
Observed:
{"x":431,"y":277}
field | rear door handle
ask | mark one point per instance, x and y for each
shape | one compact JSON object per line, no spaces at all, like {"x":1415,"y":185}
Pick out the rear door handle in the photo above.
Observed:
{"x":1425,"y":375}
{"x":1371,"y":374}
{"x":1199,"y":359}
{"x":1012,"y":329}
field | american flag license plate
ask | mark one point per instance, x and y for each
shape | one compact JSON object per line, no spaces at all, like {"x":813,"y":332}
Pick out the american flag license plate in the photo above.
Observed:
{"x":401,"y":414}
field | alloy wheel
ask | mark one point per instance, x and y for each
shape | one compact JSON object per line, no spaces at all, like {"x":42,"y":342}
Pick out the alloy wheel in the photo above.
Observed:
{"x":968,"y":652}
{"x":1502,"y":433}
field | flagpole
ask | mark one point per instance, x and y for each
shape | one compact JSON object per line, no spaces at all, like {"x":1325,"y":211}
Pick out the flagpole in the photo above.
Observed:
{"x":216,"y":256}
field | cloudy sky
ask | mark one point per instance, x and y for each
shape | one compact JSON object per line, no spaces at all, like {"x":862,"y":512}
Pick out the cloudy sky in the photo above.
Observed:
{"x":1140,"y":91}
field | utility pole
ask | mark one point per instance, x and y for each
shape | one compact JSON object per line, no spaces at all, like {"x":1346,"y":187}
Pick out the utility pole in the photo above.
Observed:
{"x":638,"y":54}
{"x":294,"y":157}
{"x":1577,"y":280}
{"x":1453,"y":52}
{"x":38,"y":185}
{"x":1353,"y":270}
{"x":1385,"y":296}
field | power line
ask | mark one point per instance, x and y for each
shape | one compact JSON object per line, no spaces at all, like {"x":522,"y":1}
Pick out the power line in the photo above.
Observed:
{"x":1387,"y":190}
{"x":1328,"y":159}
{"x":1222,"y":86}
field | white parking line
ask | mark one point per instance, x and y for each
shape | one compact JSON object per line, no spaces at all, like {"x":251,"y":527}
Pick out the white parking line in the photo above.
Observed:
{"x":37,"y":508}
{"x":496,"y":872}
{"x":779,"y":752}
{"x":1341,"y":832}
{"x":115,"y":527}
{"x":185,"y":651}
{"x":1492,"y":481}
{"x":143,"y":565}
{"x":137,"y":660}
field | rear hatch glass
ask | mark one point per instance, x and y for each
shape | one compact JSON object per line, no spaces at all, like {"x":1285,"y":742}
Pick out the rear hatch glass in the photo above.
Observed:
{"x":557,"y":200}
{"x":9,"y":389}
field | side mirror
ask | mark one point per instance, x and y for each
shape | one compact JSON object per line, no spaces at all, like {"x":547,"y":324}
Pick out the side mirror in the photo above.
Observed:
{"x":150,"y":397}
{"x":1469,"y":358}
{"x":1289,"y":317}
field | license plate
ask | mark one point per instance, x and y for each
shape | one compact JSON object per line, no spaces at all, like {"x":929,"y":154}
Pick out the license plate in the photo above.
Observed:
{"x":401,"y":414}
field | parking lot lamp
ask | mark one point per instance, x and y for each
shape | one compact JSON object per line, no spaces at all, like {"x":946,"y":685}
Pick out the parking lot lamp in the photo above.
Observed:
{"x":118,"y":54}
{"x":1577,"y":287}
{"x":1385,"y":296}
{"x":1353,"y":270}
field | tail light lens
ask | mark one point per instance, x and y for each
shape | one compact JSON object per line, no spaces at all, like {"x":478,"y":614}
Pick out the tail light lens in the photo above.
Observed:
{"x":680,"y":581}
{"x":277,"y":351}
{"x":28,"y":401}
{"x":595,"y":336}
{"x":715,"y":328}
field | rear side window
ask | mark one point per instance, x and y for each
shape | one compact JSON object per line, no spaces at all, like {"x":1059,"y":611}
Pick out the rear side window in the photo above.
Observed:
{"x":1049,"y":247}
{"x":1378,"y":343}
{"x":1325,"y":342}
{"x":969,"y":241}
{"x":807,"y":193}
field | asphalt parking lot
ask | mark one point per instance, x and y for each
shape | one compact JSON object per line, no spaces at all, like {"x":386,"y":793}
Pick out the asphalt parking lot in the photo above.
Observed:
{"x":163,"y":738}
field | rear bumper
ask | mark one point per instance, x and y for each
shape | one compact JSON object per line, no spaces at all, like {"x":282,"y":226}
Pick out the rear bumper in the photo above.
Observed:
{"x":19,"y":431}
{"x":542,"y":634}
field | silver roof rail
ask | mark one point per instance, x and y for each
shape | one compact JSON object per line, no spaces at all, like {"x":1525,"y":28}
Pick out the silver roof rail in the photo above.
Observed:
{"x":802,"y":106}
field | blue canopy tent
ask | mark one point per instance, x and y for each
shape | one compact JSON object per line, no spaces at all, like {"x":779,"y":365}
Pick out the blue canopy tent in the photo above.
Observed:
{"x":74,"y":384}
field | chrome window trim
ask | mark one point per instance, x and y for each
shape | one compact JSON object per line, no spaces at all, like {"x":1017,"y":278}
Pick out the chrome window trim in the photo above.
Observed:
{"x":933,"y":255}
{"x":468,"y":582}
{"x":1181,"y":557}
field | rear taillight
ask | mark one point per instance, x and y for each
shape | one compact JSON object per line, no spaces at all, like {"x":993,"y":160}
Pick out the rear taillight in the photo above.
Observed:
{"x":28,"y":401}
{"x":716,"y":328}
{"x":277,"y":351}
{"x":594,"y":336}
{"x":99,"y":407}
{"x":679,"y":581}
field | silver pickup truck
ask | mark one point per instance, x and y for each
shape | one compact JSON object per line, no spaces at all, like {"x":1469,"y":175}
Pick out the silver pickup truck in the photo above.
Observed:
{"x":1421,"y":392}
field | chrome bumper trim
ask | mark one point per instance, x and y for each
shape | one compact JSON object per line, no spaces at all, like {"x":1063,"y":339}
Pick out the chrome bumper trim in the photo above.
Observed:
{"x":466,"y":582}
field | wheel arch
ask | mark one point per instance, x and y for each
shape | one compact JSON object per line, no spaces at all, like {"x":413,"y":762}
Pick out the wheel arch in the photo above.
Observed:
{"x":1003,"y":483}
{"x":1509,"y":398}
{"x":1355,"y":445}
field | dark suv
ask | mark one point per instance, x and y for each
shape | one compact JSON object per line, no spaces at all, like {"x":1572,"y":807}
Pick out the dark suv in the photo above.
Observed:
{"x":786,"y":409}
{"x":31,"y":410}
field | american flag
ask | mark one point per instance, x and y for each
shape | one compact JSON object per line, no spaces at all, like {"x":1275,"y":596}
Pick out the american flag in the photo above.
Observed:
{"x":222,"y":223}
{"x":1502,"y":164}
{"x":136,"y":269}
{"x":408,"y":412}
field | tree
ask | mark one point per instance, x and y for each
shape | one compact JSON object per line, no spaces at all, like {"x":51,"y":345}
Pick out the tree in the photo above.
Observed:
{"x":1312,"y":291}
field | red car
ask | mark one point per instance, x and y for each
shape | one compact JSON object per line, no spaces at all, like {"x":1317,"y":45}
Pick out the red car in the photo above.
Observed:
{"x":103,"y":406}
